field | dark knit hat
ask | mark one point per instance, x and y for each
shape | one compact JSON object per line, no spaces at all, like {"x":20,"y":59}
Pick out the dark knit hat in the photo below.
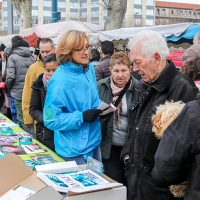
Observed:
{"x":2,"y":47}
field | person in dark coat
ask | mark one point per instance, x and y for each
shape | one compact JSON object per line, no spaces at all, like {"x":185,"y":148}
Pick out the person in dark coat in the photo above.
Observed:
{"x":43,"y":134}
{"x":102,"y":69}
{"x":160,"y":82}
{"x":179,"y":145}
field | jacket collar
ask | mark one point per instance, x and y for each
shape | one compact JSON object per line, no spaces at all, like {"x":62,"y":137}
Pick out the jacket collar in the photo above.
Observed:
{"x":106,"y":57}
{"x":106,"y":81}
{"x":76,"y":68}
{"x":162,"y":82}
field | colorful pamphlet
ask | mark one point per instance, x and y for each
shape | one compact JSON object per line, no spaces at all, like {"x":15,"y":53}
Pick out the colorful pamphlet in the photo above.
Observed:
{"x":25,"y":140}
{"x":32,"y":148}
{"x":8,"y":124}
{"x":2,"y":119}
{"x":65,"y":182}
{"x":43,"y":159}
{"x":12,"y":149}
{"x":6,"y":130}
{"x":39,"y":159}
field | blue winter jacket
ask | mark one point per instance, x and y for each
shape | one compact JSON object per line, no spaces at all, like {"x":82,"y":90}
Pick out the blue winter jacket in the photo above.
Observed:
{"x":70,"y":92}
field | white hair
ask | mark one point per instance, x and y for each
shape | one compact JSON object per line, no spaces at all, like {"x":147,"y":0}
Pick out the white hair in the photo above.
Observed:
{"x":150,"y":42}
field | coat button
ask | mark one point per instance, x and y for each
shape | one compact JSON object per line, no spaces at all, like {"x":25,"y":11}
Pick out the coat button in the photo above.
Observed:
{"x":109,"y":141}
{"x":132,"y":165}
{"x":136,"y":128}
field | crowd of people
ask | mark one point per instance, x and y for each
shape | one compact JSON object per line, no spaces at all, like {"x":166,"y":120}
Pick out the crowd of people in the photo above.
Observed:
{"x":57,"y":97}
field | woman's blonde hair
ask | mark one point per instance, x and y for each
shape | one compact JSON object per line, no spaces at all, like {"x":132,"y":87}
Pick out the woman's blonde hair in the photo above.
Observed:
{"x":68,"y":43}
{"x":120,"y":58}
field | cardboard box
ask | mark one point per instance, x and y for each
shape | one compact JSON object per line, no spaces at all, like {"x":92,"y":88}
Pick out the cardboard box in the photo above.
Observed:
{"x":14,"y":172}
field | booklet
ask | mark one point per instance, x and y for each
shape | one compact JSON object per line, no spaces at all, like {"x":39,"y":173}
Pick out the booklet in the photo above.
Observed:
{"x":32,"y":148}
{"x":6,"y":130}
{"x":20,"y":192}
{"x":42,"y":159}
{"x":65,"y":182}
{"x":2,"y":119}
{"x":7,"y":140}
{"x":106,"y":108}
{"x":8,"y":124}
{"x":39,"y":159}
{"x":58,"y":167}
{"x":12,"y":149}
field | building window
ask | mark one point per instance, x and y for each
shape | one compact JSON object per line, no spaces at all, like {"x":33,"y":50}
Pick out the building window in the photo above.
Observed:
{"x":190,"y":13}
{"x":150,"y":2}
{"x":94,"y":4}
{"x":14,"y":13}
{"x":185,"y":13}
{"x":163,"y":11}
{"x":73,"y":15}
{"x":47,"y":13}
{"x":61,"y":4}
{"x":172,"y":12}
{"x":5,"y":23}
{"x":34,"y":2}
{"x":83,"y":5}
{"x":138,"y":22}
{"x":5,"y":13}
{"x":149,"y":22}
{"x":34,"y":12}
{"x":47,"y":3}
{"x":138,"y":2}
{"x":176,"y":12}
{"x":198,"y":14}
{"x":5,"y":4}
{"x":73,"y":5}
{"x":181,"y":13}
{"x":137,"y":11}
{"x":158,"y":11}
{"x":150,"y":12}
{"x":17,"y":22}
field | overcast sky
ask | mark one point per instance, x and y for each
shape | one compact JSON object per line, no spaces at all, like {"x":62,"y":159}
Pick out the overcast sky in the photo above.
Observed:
{"x":184,"y":1}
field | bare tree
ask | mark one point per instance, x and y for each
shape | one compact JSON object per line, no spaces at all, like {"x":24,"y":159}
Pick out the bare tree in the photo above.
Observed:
{"x":24,"y":12}
{"x":116,"y":10}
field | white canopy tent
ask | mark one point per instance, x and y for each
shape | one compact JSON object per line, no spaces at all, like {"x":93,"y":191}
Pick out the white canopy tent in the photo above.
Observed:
{"x":6,"y":40}
{"x":56,"y":29}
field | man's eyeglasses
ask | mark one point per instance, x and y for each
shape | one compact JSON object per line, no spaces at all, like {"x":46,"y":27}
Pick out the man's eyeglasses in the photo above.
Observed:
{"x":82,"y":50}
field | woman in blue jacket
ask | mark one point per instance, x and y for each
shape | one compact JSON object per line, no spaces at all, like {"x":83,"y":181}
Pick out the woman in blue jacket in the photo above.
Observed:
{"x":72,"y":100}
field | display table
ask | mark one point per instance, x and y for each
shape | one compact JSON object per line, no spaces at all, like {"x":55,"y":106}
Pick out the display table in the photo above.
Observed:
{"x":17,"y":129}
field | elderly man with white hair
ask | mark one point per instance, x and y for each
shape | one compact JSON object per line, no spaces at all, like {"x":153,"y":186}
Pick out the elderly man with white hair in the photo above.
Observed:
{"x":160,"y":82}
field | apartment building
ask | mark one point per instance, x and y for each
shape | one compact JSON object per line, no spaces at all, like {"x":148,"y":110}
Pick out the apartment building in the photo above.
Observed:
{"x":173,"y":13}
{"x":139,"y":12}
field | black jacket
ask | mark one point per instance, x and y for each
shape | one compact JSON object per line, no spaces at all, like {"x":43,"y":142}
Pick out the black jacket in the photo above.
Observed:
{"x":142,"y":146}
{"x":43,"y":134}
{"x":180,"y":143}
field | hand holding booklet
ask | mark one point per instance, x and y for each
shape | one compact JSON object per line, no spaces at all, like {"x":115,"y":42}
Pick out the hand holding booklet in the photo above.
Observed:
{"x":106,"y":108}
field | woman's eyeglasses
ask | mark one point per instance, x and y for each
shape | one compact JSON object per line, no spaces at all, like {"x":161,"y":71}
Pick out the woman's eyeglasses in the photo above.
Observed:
{"x":82,"y":50}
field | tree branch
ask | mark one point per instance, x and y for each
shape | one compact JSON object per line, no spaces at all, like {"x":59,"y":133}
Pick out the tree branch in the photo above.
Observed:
{"x":107,"y":5}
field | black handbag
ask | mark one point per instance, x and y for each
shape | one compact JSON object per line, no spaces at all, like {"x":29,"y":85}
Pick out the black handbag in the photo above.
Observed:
{"x":104,"y":119}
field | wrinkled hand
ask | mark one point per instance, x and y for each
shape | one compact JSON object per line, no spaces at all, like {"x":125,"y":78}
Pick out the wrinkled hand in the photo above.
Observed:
{"x":29,"y":125}
{"x":91,"y":114}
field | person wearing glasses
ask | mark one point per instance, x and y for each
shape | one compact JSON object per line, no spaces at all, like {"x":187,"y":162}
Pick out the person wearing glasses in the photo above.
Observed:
{"x":71,"y":105}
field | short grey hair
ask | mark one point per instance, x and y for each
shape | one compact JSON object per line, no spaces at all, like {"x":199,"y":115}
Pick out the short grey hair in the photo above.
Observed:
{"x":151,"y":42}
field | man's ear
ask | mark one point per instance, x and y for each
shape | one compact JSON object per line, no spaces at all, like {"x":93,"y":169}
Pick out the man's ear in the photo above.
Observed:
{"x":131,"y":68}
{"x":157,"y":58}
{"x":110,"y":69}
